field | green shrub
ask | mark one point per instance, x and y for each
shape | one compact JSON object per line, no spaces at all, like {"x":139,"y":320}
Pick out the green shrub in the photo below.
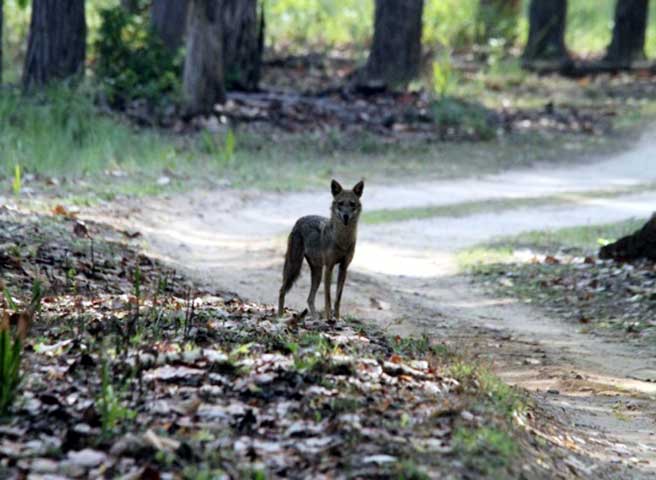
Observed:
{"x":133,"y":62}
{"x":470,"y":117}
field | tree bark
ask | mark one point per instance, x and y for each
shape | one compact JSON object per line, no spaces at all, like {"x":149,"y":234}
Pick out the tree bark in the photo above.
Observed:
{"x":546,"y":38}
{"x":243,"y":43}
{"x":1,"y":24}
{"x":56,"y":46}
{"x":169,"y":20}
{"x":628,"y":43}
{"x":498,"y":19}
{"x":640,"y":244}
{"x":395,"y":56}
{"x":203,"y":79}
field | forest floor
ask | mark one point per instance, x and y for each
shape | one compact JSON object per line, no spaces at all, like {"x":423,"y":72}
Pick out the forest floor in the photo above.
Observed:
{"x":406,"y":279}
{"x":186,"y":373}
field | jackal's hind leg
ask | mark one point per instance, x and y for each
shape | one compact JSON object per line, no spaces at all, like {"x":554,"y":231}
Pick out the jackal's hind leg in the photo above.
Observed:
{"x":316,"y":281}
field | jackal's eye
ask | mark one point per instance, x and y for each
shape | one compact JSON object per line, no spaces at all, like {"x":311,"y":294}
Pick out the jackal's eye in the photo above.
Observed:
{"x":340,"y":204}
{"x":352,"y":204}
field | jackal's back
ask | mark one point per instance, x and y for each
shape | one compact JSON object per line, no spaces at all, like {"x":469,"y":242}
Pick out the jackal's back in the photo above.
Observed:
{"x":310,"y":229}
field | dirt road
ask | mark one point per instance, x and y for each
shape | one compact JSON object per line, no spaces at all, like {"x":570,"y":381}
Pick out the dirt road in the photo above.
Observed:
{"x":405,"y":277}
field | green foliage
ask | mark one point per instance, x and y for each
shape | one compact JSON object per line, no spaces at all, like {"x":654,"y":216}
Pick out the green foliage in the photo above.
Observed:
{"x":10,"y":358}
{"x":497,"y":22}
{"x":16,"y":183}
{"x":443,"y":77}
{"x":473,"y":118}
{"x":230,"y":145}
{"x":497,"y":395}
{"x":301,"y":24}
{"x":133,"y":62}
{"x":61,"y":132}
{"x":486,"y":449}
{"x":223,"y":151}
{"x":109,"y":405}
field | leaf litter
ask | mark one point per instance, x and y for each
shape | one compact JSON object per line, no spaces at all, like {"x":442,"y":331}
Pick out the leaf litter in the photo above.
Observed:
{"x":130,"y":371}
{"x":603,"y":296}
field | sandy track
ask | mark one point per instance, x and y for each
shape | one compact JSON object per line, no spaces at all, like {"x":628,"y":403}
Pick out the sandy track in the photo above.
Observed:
{"x":404,"y":276}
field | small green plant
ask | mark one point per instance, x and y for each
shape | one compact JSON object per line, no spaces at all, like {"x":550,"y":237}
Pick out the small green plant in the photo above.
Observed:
{"x":223,"y":152}
{"x":230,"y":145}
{"x":112,"y":412}
{"x":16,"y":184}
{"x":443,"y":77}
{"x":11,"y":350}
{"x":11,"y":345}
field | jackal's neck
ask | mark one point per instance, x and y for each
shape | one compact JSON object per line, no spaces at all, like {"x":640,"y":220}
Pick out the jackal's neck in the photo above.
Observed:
{"x":345,"y":235}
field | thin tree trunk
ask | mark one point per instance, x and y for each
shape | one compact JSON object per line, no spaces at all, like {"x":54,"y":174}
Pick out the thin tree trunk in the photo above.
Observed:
{"x":640,"y":244}
{"x":203,"y":80}
{"x":169,"y":19}
{"x":628,"y":44}
{"x":546,"y":38}
{"x":395,"y":56}
{"x":243,"y":43}
{"x":56,"y":46}
{"x":498,"y":19}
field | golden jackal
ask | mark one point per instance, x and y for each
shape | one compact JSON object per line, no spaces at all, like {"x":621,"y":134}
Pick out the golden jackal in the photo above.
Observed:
{"x":324,"y":242}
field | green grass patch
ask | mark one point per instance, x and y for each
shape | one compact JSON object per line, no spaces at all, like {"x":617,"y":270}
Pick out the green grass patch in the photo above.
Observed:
{"x":582,"y":239}
{"x":496,"y":396}
{"x":465,"y":209}
{"x":62,"y":134}
{"x":586,"y":238}
{"x":487,"y":450}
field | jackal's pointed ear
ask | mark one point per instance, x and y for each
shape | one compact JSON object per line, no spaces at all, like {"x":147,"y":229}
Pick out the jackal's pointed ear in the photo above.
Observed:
{"x":359,"y":188}
{"x":335,"y":187}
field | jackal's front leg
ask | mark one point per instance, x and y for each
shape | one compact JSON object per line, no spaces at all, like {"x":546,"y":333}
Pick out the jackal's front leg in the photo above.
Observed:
{"x":327,"y":280}
{"x":341,"y":278}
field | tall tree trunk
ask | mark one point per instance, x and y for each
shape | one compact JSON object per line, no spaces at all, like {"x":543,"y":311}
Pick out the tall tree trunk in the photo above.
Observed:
{"x":395,"y":56}
{"x":629,"y":32}
{"x":203,"y":84}
{"x":498,"y":19}
{"x":56,"y":46}
{"x":546,"y":37}
{"x":243,"y":43}
{"x":169,"y":19}
{"x":1,"y":23}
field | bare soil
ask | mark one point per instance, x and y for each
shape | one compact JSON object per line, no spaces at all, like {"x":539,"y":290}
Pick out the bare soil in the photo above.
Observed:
{"x":405,"y":277}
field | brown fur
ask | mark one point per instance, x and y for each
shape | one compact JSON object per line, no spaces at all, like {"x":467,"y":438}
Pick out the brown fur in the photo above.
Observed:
{"x":324,"y":243}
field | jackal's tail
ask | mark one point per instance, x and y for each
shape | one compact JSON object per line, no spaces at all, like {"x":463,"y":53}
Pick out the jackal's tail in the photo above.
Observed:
{"x":292,"y":268}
